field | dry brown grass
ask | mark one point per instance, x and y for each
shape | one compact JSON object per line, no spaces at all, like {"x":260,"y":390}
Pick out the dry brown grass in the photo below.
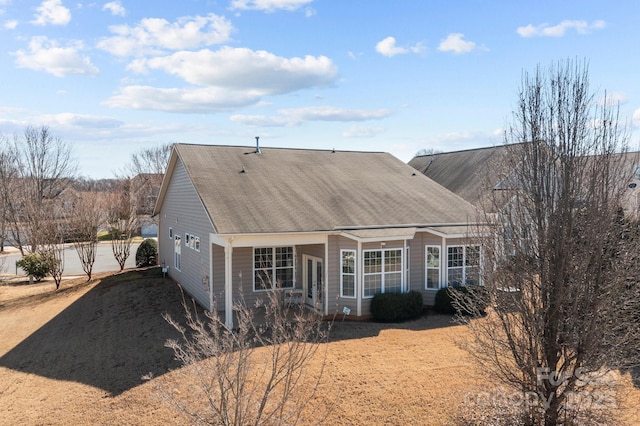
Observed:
{"x":76,"y":356}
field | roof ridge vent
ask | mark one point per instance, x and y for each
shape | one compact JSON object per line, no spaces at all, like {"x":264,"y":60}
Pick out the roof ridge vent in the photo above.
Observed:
{"x":257,"y":144}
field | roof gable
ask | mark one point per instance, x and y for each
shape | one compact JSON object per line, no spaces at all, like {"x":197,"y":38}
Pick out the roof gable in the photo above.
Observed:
{"x":296,"y":190}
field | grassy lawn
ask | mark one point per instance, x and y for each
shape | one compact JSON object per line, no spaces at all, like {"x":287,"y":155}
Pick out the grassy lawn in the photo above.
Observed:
{"x":77,"y":356}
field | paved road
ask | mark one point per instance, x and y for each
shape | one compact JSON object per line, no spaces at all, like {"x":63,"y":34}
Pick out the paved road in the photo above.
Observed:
{"x":105,"y":261}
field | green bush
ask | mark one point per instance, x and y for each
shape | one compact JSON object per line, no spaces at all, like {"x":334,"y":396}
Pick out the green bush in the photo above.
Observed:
{"x":396,"y":307}
{"x":147,"y":253}
{"x":467,"y":300}
{"x":35,"y":265}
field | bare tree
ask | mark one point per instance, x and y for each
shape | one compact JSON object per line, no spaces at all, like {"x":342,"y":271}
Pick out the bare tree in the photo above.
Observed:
{"x":8,"y":179}
{"x":123,"y":222}
{"x":88,"y":215}
{"x":560,"y":260}
{"x":258,"y":373}
{"x":145,"y":172}
{"x":52,"y":248}
{"x":427,"y":151}
{"x":41,"y":168}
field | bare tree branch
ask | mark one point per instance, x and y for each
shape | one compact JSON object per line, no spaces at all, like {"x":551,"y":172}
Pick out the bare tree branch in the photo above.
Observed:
{"x":560,"y":259}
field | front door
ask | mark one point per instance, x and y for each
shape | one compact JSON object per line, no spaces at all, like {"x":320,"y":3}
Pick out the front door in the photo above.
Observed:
{"x":313,"y":273}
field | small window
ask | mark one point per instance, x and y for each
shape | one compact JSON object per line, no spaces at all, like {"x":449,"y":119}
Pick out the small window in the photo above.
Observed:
{"x":432,"y":265}
{"x":186,"y":239}
{"x":348,"y":273}
{"x":192,"y":241}
{"x":197,"y":244}
{"x":171,"y":233}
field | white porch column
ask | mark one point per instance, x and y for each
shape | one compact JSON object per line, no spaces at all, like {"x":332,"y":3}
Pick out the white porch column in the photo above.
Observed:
{"x":405,"y":262}
{"x":326,"y":276}
{"x":228,"y":285}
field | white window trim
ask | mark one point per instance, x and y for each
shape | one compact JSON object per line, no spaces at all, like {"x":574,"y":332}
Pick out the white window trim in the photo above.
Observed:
{"x":273,"y":267}
{"x":382,"y":272}
{"x":197,"y":244}
{"x":427,"y":269}
{"x":354,"y":274}
{"x":177,"y":255}
{"x":407,"y":264}
{"x":464,"y":263}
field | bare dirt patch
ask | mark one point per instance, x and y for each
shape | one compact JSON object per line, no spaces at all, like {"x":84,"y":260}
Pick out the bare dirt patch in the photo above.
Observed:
{"x":77,"y":355}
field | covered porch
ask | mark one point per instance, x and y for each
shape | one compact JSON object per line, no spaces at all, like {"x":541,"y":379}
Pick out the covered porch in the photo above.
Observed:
{"x":248,"y":267}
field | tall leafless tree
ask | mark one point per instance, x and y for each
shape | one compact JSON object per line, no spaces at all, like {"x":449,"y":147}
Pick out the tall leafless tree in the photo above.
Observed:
{"x":560,"y":260}
{"x":43,"y":166}
{"x":8,"y":180}
{"x":145,"y":172}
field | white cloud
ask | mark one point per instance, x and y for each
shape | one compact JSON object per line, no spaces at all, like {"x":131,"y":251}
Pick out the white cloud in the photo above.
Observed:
{"x":115,"y":7}
{"x":156,"y":35}
{"x":86,"y":121}
{"x":362,"y":132}
{"x":189,"y":100}
{"x":46,"y":55}
{"x":545,"y":30}
{"x":52,"y":12}
{"x":269,"y":5}
{"x":387,"y":47}
{"x":242,"y":69}
{"x":10,"y":25}
{"x":613,"y":99}
{"x":455,"y":43}
{"x":297,"y":116}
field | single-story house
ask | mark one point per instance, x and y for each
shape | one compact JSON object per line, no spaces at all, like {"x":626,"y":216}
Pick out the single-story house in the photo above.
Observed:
{"x":334,"y":227}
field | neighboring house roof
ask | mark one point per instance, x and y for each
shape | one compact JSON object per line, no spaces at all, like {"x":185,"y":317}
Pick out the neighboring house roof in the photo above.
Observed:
{"x":466,"y":173}
{"x":473,"y":174}
{"x":297,"y":190}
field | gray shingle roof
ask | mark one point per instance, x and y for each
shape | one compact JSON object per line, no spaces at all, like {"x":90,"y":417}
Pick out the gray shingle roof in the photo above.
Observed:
{"x":298,"y":190}
{"x":467,"y":173}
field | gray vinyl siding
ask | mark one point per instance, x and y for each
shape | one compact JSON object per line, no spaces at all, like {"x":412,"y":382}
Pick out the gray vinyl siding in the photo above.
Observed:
{"x":218,"y":276}
{"x":337,"y":303}
{"x":182,"y":211}
{"x":243,"y":285}
{"x":418,"y":273}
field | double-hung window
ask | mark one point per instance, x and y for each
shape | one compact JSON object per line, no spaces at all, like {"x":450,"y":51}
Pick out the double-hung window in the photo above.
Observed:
{"x":273,"y":267}
{"x":347,"y":273}
{"x":463,"y":265}
{"x":382,"y":271}
{"x":432,"y":262}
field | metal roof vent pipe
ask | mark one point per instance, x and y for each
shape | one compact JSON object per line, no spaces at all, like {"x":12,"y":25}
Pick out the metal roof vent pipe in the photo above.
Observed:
{"x":257,"y":144}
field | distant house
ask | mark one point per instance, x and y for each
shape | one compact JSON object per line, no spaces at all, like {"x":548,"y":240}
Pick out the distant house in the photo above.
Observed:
{"x":144,"y":192}
{"x":333,"y":227}
{"x":474,"y":174}
{"x":471,"y":174}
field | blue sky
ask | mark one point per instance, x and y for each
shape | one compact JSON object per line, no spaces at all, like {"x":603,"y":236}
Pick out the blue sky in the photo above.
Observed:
{"x":113,"y":77}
